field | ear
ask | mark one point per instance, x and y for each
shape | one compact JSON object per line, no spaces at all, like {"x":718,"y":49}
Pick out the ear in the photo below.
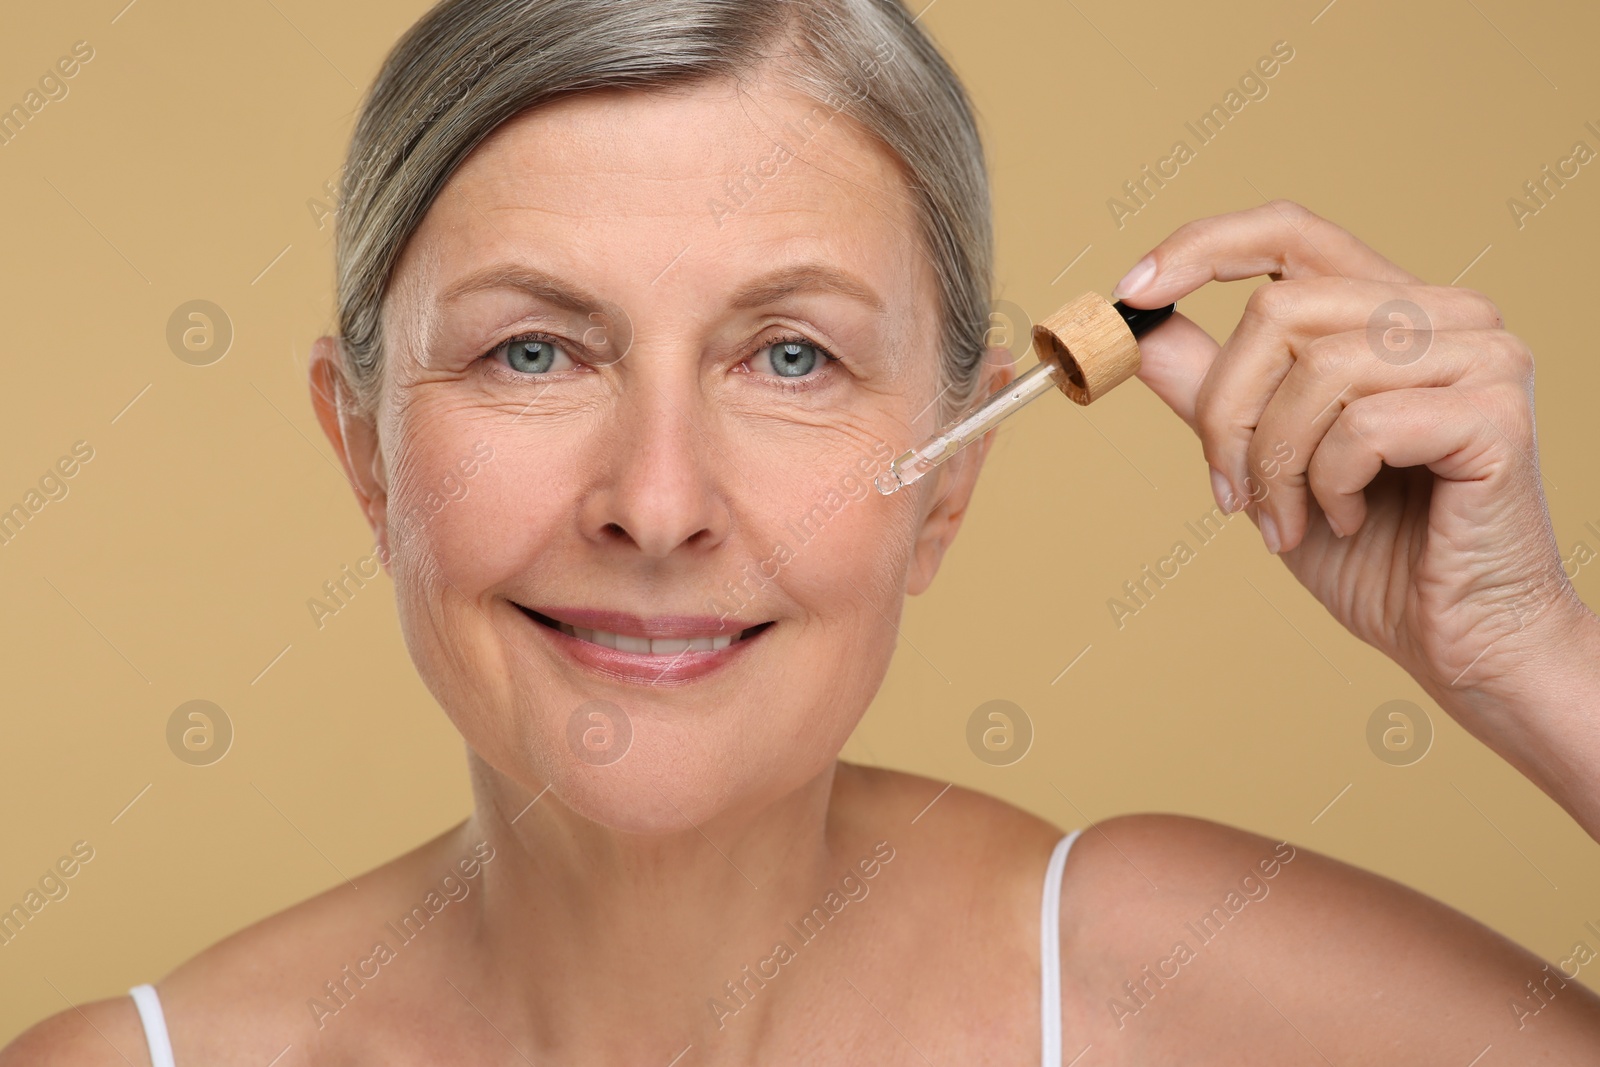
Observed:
{"x":353,"y":435}
{"x":955,"y":480}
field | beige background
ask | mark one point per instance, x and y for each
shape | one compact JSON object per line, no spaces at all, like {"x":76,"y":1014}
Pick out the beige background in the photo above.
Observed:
{"x":182,"y":165}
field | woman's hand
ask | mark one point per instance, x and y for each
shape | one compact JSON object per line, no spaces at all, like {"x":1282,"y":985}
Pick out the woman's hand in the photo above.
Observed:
{"x":1379,"y":431}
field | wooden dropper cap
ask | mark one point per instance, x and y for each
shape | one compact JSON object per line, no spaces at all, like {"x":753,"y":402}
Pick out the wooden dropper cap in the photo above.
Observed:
{"x":1094,"y":342}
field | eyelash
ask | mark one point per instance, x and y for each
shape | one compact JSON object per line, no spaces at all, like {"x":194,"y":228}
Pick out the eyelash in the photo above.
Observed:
{"x":788,"y":385}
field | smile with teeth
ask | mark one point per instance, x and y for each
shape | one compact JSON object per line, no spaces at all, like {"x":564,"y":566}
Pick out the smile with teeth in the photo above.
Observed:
{"x":653,"y":646}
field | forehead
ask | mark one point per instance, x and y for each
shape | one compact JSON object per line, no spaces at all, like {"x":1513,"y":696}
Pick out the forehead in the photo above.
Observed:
{"x":687,"y":191}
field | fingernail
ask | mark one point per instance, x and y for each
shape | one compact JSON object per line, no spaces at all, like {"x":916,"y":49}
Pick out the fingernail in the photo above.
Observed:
{"x":1333,"y":526}
{"x":1142,"y":274}
{"x":1221,"y":490}
{"x":1269,"y":533}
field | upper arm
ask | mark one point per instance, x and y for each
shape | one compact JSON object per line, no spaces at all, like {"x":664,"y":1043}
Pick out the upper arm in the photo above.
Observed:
{"x":1177,"y":928}
{"x":104,"y":1032}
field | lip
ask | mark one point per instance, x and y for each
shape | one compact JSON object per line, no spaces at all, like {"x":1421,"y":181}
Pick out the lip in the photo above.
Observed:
{"x":642,"y":667}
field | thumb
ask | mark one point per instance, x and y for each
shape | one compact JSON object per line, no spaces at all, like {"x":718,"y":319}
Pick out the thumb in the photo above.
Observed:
{"x":1173,"y":360}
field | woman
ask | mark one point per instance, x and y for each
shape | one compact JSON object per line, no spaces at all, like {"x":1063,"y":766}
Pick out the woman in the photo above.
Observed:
{"x":650,"y":279}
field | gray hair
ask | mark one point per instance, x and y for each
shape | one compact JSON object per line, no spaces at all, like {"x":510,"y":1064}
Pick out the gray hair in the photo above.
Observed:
{"x":467,"y":66}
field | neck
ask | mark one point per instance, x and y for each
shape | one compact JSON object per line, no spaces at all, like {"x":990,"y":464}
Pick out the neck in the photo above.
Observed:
{"x":621,"y":945}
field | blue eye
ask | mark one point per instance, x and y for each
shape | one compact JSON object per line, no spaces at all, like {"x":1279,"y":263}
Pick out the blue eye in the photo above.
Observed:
{"x":531,"y":354}
{"x":795,"y":357}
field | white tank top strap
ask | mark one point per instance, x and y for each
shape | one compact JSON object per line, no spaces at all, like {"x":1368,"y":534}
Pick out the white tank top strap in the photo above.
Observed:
{"x":160,"y":1045}
{"x":155,"y":1024}
{"x":1050,"y":952}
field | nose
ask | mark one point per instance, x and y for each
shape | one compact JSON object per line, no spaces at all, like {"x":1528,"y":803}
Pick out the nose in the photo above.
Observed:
{"x":658,"y":487}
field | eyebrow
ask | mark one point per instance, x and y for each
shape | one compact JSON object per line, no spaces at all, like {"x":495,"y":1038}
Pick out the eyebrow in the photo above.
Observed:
{"x":531,"y":280}
{"x":768,"y":289}
{"x":801,"y":278}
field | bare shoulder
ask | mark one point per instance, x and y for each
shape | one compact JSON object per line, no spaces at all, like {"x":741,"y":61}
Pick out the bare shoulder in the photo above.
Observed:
{"x":278,"y":982}
{"x":98,"y":1034}
{"x":943,"y":823}
{"x":958,"y":928}
{"x":1177,"y":931}
{"x":959,"y":852}
{"x":957,"y":848}
{"x":289,"y":979}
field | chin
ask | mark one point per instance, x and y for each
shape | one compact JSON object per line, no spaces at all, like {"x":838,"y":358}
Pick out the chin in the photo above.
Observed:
{"x":675,"y":779}
{"x":672,"y":775}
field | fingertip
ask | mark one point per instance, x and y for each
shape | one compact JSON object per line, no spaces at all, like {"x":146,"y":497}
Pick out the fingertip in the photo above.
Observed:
{"x":1347,"y":523}
{"x":1221,"y":490}
{"x":1269,"y":531}
{"x":1138,"y":279}
{"x":1284,"y":521}
{"x":1292,"y":528}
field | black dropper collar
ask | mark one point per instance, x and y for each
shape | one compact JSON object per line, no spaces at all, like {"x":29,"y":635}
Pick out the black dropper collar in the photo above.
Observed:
{"x":1142,"y":320}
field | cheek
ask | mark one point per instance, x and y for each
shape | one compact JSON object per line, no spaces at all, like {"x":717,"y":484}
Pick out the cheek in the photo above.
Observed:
{"x":474,"y":508}
{"x":471,"y":500}
{"x":820,"y":534}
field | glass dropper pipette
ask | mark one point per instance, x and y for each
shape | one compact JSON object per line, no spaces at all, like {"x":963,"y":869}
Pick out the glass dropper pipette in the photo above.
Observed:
{"x":1084,"y":349}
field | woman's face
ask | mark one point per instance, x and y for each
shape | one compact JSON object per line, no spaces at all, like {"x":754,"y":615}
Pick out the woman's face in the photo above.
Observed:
{"x":608,"y":403}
